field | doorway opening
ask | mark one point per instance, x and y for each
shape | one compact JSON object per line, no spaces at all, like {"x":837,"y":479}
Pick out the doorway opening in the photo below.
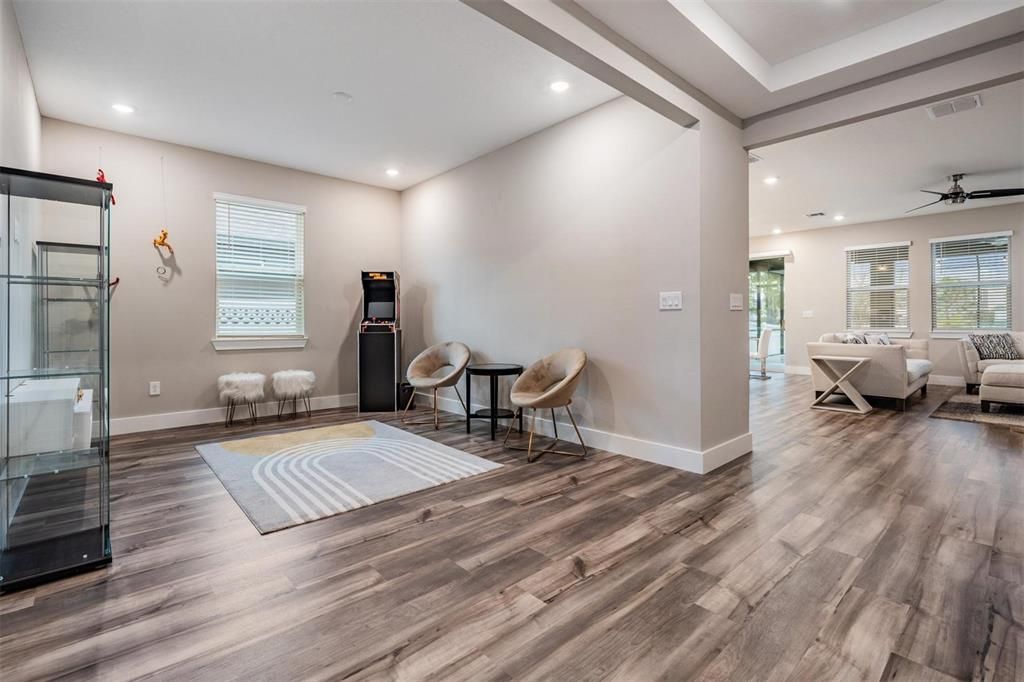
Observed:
{"x":767,"y":308}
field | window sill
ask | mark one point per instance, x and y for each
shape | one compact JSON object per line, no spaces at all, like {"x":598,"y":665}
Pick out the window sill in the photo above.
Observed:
{"x":258,"y":342}
{"x":891,"y":333}
{"x":963,"y":334}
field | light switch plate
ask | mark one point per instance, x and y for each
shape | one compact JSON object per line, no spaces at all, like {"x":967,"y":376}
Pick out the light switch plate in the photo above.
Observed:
{"x":670,"y":300}
{"x":808,"y":313}
{"x":154,"y":388}
{"x":735,"y":301}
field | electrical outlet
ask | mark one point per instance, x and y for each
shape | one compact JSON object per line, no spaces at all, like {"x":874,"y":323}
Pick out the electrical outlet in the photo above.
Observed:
{"x":670,"y":300}
{"x":154,"y":388}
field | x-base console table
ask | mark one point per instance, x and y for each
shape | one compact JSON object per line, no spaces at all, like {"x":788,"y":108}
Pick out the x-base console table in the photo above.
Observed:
{"x":840,"y":382}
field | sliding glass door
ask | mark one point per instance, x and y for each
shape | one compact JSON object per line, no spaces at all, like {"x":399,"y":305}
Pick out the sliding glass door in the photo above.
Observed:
{"x":767,"y":307}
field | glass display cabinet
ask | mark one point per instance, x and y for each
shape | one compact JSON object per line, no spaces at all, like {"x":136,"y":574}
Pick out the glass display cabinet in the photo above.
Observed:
{"x":54,"y":376}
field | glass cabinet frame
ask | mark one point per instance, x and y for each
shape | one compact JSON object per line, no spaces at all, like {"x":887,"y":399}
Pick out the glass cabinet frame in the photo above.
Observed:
{"x":54,"y":376}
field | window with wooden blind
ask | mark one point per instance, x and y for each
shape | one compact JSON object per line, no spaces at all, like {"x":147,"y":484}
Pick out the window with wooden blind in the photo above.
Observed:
{"x":878,"y":287}
{"x":971,"y":282}
{"x":259,"y":268}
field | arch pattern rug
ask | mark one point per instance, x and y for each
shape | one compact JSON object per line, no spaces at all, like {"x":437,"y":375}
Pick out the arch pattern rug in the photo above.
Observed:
{"x":286,"y":479}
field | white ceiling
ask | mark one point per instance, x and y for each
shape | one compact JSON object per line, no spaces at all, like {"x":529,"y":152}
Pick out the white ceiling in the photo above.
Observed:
{"x":435,"y":84}
{"x":783,"y":30}
{"x":754,"y":57}
{"x":875,"y":169}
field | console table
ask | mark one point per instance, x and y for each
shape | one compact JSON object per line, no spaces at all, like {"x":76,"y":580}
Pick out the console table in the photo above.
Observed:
{"x":840,"y":382}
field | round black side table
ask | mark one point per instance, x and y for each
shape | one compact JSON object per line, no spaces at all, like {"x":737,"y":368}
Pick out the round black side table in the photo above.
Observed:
{"x":493,"y":413}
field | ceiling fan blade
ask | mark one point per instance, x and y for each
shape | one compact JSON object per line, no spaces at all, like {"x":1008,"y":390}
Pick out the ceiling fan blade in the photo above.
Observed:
{"x":995,"y":193}
{"x":937,"y":201}
{"x":941,"y":194}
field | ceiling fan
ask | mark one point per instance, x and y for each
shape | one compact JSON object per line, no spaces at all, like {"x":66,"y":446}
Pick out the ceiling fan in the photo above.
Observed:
{"x":956,"y":194}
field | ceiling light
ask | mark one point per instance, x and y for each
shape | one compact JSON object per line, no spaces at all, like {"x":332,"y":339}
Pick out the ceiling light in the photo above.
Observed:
{"x":391,"y":172}
{"x":838,"y":216}
{"x":771,"y":180}
{"x":777,"y":230}
{"x":559,"y":86}
{"x":123,"y":108}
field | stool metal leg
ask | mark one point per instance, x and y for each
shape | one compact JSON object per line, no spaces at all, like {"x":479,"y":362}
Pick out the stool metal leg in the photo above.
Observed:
{"x":229,"y":413}
{"x":305,"y":399}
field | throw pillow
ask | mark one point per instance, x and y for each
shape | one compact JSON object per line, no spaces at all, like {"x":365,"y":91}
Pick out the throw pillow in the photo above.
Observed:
{"x":995,"y":346}
{"x":854,"y":338}
{"x":878,"y":339}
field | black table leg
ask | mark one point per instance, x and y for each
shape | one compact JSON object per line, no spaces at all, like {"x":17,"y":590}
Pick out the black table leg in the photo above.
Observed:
{"x":494,"y":405}
{"x":469,"y":400}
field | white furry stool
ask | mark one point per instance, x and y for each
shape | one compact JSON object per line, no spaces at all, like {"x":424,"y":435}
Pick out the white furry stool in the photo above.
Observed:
{"x":292,"y":384}
{"x":241,"y":387}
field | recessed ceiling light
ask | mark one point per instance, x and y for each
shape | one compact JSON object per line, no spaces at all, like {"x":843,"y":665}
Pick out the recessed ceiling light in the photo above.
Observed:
{"x":391,"y":172}
{"x":771,"y":180}
{"x":123,"y":108}
{"x":559,"y":86}
{"x":777,"y":230}
{"x":838,"y":216}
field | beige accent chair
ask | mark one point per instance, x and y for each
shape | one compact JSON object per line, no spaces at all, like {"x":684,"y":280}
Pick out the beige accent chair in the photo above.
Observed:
{"x":439,"y":366}
{"x":762,"y":354}
{"x":895,"y":372}
{"x":547,"y":384}
{"x":974,"y":367}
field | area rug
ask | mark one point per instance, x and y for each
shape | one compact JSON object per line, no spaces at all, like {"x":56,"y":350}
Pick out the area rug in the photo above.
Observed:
{"x":286,"y":479}
{"x":967,"y":408}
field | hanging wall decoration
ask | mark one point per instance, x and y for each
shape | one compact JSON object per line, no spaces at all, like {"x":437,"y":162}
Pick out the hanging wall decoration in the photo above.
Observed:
{"x":161,"y":242}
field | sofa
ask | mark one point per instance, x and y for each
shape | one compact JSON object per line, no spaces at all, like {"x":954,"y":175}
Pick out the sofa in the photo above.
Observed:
{"x":972,"y":364}
{"x":894,"y":374}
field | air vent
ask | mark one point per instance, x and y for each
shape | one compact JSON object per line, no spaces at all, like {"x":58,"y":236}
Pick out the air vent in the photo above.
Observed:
{"x":752,"y":158}
{"x":816,"y":214}
{"x":954,"y":106}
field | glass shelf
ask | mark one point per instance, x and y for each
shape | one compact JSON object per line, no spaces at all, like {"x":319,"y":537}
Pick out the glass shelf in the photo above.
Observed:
{"x":54,"y":281}
{"x":52,"y":372}
{"x":50,"y":463}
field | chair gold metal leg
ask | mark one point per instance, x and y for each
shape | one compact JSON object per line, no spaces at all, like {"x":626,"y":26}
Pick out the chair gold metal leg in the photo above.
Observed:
{"x":533,"y":455}
{"x":405,"y":412}
{"x":435,"y":418}
{"x":529,"y":443}
{"x":511,"y":423}
{"x":461,"y":401}
{"x":578,"y":434}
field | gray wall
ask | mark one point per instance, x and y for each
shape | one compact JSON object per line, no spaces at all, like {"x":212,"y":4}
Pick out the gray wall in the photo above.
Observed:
{"x":162,"y":331}
{"x":563,"y":239}
{"x":816,"y":273}
{"x":19,"y":113}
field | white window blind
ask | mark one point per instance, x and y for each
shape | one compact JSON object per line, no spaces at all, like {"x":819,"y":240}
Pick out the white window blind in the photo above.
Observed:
{"x":971,"y":283}
{"x":259,"y":268}
{"x":878,"y":287}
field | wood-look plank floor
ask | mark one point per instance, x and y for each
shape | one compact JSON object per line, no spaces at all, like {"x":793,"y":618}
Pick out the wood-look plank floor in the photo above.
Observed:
{"x":882,"y":547}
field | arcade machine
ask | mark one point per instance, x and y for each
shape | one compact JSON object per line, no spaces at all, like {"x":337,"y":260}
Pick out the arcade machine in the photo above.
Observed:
{"x":380,"y":344}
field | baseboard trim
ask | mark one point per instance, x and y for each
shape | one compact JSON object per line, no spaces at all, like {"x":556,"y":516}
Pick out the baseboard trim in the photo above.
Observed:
{"x":695,"y":461}
{"x":946,"y":380}
{"x":170,"y":420}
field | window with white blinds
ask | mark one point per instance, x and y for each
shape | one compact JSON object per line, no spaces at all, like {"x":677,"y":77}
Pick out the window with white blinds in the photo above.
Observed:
{"x":259,"y":268}
{"x":971,"y":282}
{"x":878,"y":287}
